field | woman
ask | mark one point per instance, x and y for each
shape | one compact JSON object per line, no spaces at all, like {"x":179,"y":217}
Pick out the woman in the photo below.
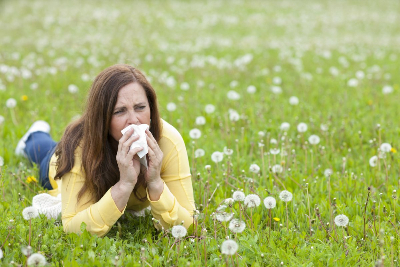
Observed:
{"x":97,"y":173}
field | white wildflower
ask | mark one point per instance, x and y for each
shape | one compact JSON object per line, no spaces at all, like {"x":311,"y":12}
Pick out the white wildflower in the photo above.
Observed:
{"x":238,"y":196}
{"x":233,"y":115}
{"x":36,"y":259}
{"x":302,"y":127}
{"x":171,"y":106}
{"x":178,"y":231}
{"x":328,"y":172}
{"x":223,"y":216}
{"x":26,"y":250}
{"x":274,"y":151}
{"x":252,"y":201}
{"x":314,"y":139}
{"x":199,"y":153}
{"x":251,"y":89}
{"x":73,"y":89}
{"x":285,"y":126}
{"x":209,"y":108}
{"x":217,"y":156}
{"x":385,"y":147}
{"x":200,"y":120}
{"x":185,"y":86}
{"x":353,"y":82}
{"x":254,"y":168}
{"x":273,"y":141}
{"x":387,"y":89}
{"x":360,"y":74}
{"x":341,"y":220}
{"x":373,"y":161}
{"x":207,"y":167}
{"x":237,"y":226}
{"x":228,"y":151}
{"x":277,"y":168}
{"x":233,"y":95}
{"x":30,"y":213}
{"x":229,"y":201}
{"x":195,"y":133}
{"x":270,"y":202}
{"x":324,"y":127}
{"x":285,"y":196}
{"x":293,"y":100}
{"x":11,"y":103}
{"x":261,"y":134}
{"x":276,"y":89}
{"x":229,"y":247}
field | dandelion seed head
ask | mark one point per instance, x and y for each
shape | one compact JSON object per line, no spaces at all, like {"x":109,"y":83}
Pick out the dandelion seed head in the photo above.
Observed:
{"x":209,"y":108}
{"x":195,"y":133}
{"x":276,"y":89}
{"x":1,"y":254}
{"x":252,"y":201}
{"x":223,"y":216}
{"x":274,"y":151}
{"x":229,"y":201}
{"x":302,"y":127}
{"x":185,"y":86}
{"x":233,"y":95}
{"x":293,"y":100}
{"x":373,"y":161}
{"x":217,"y":156}
{"x":228,"y":151}
{"x":324,"y":127}
{"x":171,"y":106}
{"x":285,"y":126}
{"x":285,"y":196}
{"x":277,"y":168}
{"x":11,"y":103}
{"x":387,"y":89}
{"x":233,"y":115}
{"x":328,"y":172}
{"x":73,"y":89}
{"x":30,"y":213}
{"x":178,"y":231}
{"x":353,"y":82}
{"x":341,"y":220}
{"x":251,"y":89}
{"x":238,"y":196}
{"x":314,"y":139}
{"x":1,"y":161}
{"x":229,"y":247}
{"x":36,"y":259}
{"x":200,"y":120}
{"x":237,"y":226}
{"x":199,"y":153}
{"x":270,"y":202}
{"x":254,"y":168}
{"x":385,"y":147}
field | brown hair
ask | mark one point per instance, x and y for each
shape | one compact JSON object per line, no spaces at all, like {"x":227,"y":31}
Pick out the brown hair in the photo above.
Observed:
{"x":91,"y":132}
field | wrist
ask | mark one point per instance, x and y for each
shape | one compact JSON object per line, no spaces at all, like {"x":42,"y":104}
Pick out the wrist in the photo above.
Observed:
{"x":125,"y":186}
{"x":155,"y":184}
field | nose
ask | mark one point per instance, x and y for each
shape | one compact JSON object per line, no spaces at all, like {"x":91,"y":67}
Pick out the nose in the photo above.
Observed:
{"x":133,"y":118}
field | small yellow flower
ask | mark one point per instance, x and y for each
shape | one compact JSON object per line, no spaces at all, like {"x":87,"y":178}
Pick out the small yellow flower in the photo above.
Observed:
{"x":31,"y":179}
{"x":370,"y":102}
{"x":276,"y":219}
{"x":24,"y":97}
{"x":393,"y":150}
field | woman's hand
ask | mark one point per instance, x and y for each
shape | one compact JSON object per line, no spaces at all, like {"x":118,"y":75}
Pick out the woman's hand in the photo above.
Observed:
{"x":128,"y":161}
{"x":155,"y":185}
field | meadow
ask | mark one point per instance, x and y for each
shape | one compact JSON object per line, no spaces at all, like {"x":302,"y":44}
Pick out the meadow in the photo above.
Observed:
{"x":297,"y":101}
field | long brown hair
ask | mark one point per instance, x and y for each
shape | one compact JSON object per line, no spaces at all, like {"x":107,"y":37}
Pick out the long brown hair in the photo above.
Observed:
{"x":91,"y":132}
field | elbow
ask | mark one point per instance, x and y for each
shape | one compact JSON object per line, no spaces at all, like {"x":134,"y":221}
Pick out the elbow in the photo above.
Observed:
{"x":75,"y":227}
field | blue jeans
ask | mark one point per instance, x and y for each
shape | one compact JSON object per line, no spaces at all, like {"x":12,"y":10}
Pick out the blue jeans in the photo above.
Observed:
{"x":40,"y":148}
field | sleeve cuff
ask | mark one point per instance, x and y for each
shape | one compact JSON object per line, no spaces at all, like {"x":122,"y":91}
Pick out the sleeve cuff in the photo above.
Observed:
{"x":107,"y":209}
{"x":165,"y":203}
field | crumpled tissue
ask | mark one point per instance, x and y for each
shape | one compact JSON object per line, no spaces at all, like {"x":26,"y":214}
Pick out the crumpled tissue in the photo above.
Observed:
{"x":47,"y":205}
{"x":141,"y":142}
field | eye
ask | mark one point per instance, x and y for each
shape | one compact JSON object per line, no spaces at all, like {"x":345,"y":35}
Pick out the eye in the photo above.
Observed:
{"x":141,"y":107}
{"x":117,"y":112}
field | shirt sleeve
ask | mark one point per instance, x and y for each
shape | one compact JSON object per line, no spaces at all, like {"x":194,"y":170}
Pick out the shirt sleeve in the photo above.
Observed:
{"x":99,"y":216}
{"x":176,"y":203}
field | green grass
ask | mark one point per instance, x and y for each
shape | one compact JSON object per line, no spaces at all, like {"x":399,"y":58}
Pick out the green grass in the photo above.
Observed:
{"x":201,"y":43}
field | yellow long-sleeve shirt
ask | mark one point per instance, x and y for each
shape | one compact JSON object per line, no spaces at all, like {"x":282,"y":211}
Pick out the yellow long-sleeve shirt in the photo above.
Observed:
{"x":176,"y":203}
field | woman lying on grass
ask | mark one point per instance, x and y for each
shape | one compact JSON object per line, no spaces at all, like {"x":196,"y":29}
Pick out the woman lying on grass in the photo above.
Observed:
{"x":96,"y":170}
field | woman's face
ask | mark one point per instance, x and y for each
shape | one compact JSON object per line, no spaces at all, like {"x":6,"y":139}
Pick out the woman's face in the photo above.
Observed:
{"x":132,"y":107}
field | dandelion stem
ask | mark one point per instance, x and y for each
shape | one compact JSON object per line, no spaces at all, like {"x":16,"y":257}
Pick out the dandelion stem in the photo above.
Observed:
{"x":365,"y":209}
{"x":287,"y":218}
{"x":309,"y":211}
{"x":30,"y":231}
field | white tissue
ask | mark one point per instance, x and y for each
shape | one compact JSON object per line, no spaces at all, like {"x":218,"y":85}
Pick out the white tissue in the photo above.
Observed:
{"x":47,"y":205}
{"x":141,"y":142}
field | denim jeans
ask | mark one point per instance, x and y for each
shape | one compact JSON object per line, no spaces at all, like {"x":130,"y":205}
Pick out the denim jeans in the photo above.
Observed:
{"x":40,"y":148}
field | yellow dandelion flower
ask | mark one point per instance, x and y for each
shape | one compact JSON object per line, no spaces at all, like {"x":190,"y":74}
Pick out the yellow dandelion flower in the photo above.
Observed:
{"x":370,"y":102}
{"x":31,"y":179}
{"x":24,"y":97}
{"x":276,"y":219}
{"x":393,"y":150}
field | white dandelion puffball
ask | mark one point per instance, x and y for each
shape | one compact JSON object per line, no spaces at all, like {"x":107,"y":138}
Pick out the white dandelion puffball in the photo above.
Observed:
{"x":228,"y":151}
{"x":73,"y":89}
{"x":302,"y":127}
{"x":238,"y":196}
{"x":11,"y":103}
{"x":252,"y":201}
{"x":30,"y":213}
{"x":324,"y":127}
{"x":237,"y":226}
{"x":229,"y":247}
{"x":293,"y":101}
{"x":251,"y":89}
{"x":233,"y":95}
{"x":199,"y":153}
{"x":171,"y":106}
{"x":360,"y":74}
{"x":185,"y":86}
{"x":276,"y":89}
{"x":261,"y":134}
{"x":229,"y":201}
{"x":277,"y":80}
{"x":1,"y":161}
{"x":200,"y":120}
{"x":217,"y":156}
{"x":195,"y":133}
{"x":385,"y":147}
{"x":341,"y":220}
{"x":1,"y":254}
{"x":353,"y":82}
{"x":285,"y":196}
{"x":373,"y":161}
{"x":223,"y":216}
{"x":274,"y":151}
{"x":273,"y":141}
{"x":178,"y":231}
{"x":277,"y":168}
{"x":254,"y":168}
{"x":233,"y":84}
{"x":285,"y":126}
{"x":314,"y":139}
{"x":234,"y":116}
{"x":209,"y":108}
{"x":270,"y":202}
{"x":328,"y":172}
{"x":36,"y":259}
{"x":334,"y":71}
{"x":1,"y":120}
{"x":387,"y":89}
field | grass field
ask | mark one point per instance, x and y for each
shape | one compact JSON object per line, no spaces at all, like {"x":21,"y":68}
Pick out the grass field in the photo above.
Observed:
{"x":333,"y":65}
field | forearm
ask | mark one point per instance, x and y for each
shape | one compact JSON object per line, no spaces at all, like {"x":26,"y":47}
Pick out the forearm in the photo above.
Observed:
{"x":120,"y":193}
{"x":155,"y":189}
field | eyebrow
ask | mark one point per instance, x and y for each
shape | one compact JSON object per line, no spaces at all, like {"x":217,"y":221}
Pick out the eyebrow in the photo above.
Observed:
{"x":138,"y":104}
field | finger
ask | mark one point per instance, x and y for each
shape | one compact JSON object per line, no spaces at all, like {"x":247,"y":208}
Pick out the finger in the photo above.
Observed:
{"x":150,"y":135}
{"x":133,"y":152}
{"x":152,"y":155}
{"x":125,"y":137}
